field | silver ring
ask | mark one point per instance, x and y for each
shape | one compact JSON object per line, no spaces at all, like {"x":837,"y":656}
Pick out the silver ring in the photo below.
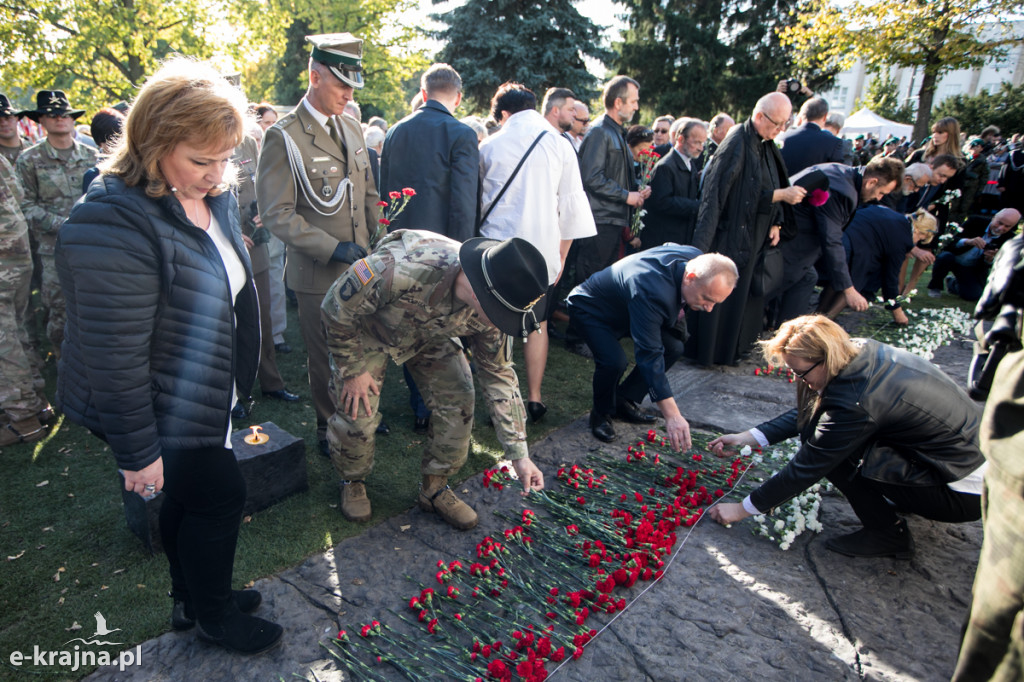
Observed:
{"x":150,"y":487}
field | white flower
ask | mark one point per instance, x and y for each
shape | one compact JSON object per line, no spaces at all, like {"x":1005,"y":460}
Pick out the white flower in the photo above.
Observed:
{"x":745,"y":451}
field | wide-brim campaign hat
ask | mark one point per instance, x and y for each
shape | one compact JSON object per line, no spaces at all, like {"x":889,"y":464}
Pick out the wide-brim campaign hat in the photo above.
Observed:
{"x":342,"y":53}
{"x":54,"y":103}
{"x":5,"y":107}
{"x":508,"y":278}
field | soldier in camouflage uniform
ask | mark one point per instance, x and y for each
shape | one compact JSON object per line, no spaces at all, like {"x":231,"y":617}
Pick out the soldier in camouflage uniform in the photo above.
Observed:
{"x":993,"y":639}
{"x":410,"y":300}
{"x":19,"y":379}
{"x":11,"y":144}
{"x":51,"y":174}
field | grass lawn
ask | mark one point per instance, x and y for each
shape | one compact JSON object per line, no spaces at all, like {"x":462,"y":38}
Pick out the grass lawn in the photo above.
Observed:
{"x":66,"y":553}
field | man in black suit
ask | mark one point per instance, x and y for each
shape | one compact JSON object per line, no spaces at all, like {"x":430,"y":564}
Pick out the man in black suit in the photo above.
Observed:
{"x":433,"y":153}
{"x":808,"y":145}
{"x":675,"y":187}
{"x":970,"y":257}
{"x":717,"y":129}
{"x":436,"y":155}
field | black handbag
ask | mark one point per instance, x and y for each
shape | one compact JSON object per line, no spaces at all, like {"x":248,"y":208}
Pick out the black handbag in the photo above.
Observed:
{"x":767,"y":278}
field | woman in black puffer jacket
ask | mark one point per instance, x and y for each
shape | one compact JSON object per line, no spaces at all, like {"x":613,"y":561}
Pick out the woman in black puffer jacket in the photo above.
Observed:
{"x":162,"y":333}
{"x":883,"y":425}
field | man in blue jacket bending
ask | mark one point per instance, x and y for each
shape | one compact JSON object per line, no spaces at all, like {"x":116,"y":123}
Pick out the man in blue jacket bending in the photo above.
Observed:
{"x":645,"y":296}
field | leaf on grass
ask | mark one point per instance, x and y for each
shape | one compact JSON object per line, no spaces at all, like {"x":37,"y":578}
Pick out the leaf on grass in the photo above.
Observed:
{"x":358,"y":581}
{"x":246,"y":519}
{"x":56,"y":576}
{"x":60,"y":602}
{"x":16,"y":556}
{"x":71,"y":494}
{"x":120,"y":570}
{"x":40,"y":546}
{"x":140,"y":586}
{"x":74,"y":627}
{"x":104,"y":587}
{"x":94,"y":564}
{"x":40,"y":485}
{"x":249,"y":584}
{"x":404,"y":528}
{"x":48,"y":529}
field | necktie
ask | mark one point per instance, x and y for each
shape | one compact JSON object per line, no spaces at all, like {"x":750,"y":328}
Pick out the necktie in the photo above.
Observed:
{"x":332,"y":128}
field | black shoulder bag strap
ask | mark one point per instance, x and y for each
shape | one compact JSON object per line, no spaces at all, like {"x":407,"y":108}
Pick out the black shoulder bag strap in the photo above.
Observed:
{"x":508,"y":182}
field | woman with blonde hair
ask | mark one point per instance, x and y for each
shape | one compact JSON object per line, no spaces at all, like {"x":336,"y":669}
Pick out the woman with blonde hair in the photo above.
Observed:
{"x":886,"y":427}
{"x":162,"y":333}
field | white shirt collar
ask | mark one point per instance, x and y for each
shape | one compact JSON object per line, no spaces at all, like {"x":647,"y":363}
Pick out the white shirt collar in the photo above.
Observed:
{"x":320,"y":117}
{"x":686,"y":159}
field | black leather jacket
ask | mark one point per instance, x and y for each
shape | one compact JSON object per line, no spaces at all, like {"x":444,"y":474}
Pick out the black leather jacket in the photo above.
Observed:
{"x":606,"y":165}
{"x":898,"y":416}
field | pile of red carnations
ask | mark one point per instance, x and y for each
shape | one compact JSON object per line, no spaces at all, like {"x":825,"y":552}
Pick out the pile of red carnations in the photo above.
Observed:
{"x":781,"y":372}
{"x":530,"y":597}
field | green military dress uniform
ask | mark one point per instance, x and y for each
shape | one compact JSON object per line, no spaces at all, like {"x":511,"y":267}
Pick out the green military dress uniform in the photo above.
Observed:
{"x":399,"y":302}
{"x":52,"y":186}
{"x":19,"y":378}
{"x":314,"y":195}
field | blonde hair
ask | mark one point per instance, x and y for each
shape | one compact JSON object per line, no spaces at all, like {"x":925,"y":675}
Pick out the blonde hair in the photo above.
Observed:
{"x":184,"y":101}
{"x":924,"y":225}
{"x":952,"y":144}
{"x":816,"y":339}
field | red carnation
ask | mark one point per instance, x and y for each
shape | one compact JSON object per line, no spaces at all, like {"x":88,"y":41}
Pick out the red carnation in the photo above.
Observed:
{"x":408,"y":191}
{"x":395,"y":195}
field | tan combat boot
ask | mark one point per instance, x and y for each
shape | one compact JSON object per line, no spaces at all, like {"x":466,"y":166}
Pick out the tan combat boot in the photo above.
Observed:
{"x":355,"y":505}
{"x":436,"y":496}
{"x":25,"y":431}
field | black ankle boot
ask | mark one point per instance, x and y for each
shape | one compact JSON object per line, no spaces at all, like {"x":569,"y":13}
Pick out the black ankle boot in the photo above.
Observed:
{"x":602,"y":427}
{"x":894,"y":542}
{"x":240,"y":633}
{"x":183,"y":616}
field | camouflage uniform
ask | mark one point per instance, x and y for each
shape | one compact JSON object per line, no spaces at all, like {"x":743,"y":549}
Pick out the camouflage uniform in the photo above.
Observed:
{"x":993,"y":644}
{"x":52,"y":186}
{"x":19,"y":379}
{"x":400,"y":302}
{"x":12,"y":153}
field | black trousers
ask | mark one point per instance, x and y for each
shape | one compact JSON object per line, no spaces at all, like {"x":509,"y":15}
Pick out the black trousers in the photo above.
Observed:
{"x":199,"y":522}
{"x":868,"y":499}
{"x":610,"y":362}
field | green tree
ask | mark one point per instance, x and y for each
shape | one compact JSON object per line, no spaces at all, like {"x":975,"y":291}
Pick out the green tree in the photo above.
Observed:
{"x":539,"y":44}
{"x":698,"y":57}
{"x":1004,"y":109}
{"x":883,"y":98}
{"x":935,"y":36}
{"x":99,"y":52}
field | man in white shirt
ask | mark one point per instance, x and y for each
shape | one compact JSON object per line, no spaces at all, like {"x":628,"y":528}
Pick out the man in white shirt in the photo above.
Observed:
{"x":543,"y":203}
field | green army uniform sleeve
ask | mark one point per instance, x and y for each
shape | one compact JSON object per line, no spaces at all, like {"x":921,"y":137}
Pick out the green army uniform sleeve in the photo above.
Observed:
{"x":358,"y":293}
{"x":492,"y":352}
{"x":14,"y":245}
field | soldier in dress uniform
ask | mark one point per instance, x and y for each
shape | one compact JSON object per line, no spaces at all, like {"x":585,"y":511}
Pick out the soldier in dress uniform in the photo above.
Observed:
{"x":271,"y":383}
{"x":51,"y":174}
{"x":316,"y":194}
{"x":410,"y":300}
{"x":11,"y":144}
{"x":20,"y":381}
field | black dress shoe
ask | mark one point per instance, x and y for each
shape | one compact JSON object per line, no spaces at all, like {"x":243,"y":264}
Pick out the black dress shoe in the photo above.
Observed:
{"x":183,"y":617}
{"x":629,"y":411}
{"x":602,"y":427}
{"x":536,"y":410}
{"x":324,"y":447}
{"x":421,"y":425}
{"x":238,"y":412}
{"x":383,"y":428}
{"x":282,"y":394}
{"x":282,"y":348}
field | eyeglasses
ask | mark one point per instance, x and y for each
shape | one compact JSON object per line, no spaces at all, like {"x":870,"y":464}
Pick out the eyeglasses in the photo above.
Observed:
{"x":801,"y":375}
{"x":661,"y":131}
{"x":778,"y":126}
{"x":584,"y":121}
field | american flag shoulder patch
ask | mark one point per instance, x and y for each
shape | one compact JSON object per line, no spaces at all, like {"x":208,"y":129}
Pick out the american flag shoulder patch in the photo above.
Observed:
{"x":363,"y":270}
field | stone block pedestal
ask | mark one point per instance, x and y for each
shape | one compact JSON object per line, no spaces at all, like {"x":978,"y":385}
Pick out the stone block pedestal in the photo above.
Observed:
{"x":272,"y":471}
